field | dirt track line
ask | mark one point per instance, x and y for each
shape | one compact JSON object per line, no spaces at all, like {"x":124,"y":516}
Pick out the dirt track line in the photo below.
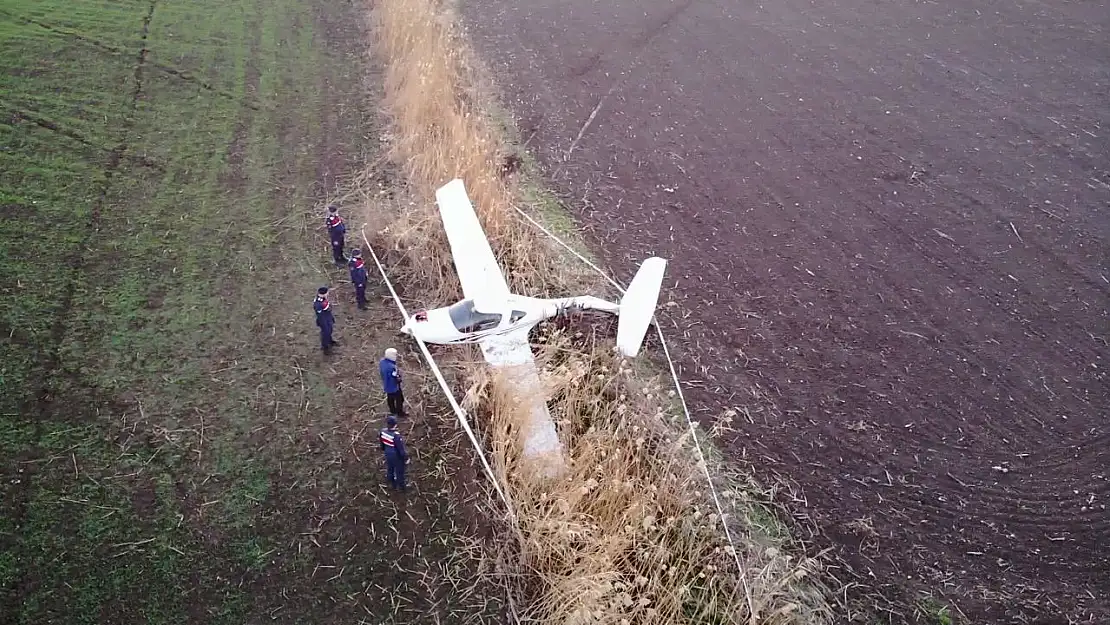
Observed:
{"x":76,"y":256}
{"x":187,"y":77}
{"x":19,"y":115}
{"x":628,"y":57}
{"x":107,"y":47}
{"x":42,"y":399}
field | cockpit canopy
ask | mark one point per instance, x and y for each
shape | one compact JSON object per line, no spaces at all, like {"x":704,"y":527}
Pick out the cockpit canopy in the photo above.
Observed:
{"x":468,"y":319}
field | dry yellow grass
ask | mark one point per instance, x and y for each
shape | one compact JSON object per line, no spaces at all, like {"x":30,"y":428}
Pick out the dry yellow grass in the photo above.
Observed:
{"x":631,"y":534}
{"x":439,"y":133}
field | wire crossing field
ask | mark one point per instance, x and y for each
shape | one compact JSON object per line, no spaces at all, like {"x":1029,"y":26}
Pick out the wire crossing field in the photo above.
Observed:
{"x":173,"y":448}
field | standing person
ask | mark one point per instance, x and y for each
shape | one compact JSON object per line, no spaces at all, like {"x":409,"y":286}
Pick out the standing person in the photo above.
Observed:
{"x":336,"y":230}
{"x":393,"y":446}
{"x":391,"y":383}
{"x":358,"y":277}
{"x":324,"y":319}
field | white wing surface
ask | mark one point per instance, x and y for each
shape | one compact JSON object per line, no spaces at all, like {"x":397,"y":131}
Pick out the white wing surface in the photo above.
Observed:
{"x":510,"y":354}
{"x":475,"y":263}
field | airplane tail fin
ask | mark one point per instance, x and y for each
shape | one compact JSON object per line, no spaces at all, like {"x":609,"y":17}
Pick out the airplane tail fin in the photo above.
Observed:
{"x":638,"y":306}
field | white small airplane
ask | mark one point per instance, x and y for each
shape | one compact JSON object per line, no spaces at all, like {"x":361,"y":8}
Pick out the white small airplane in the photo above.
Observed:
{"x":490,"y":315}
{"x":499,"y":321}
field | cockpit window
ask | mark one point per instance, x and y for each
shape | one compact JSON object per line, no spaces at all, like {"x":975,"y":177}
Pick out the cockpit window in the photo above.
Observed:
{"x":517,"y":316}
{"x":467,"y":319}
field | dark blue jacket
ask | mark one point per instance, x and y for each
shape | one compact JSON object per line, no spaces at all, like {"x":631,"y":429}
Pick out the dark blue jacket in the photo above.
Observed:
{"x":324,"y":318}
{"x":358,"y":272}
{"x":391,"y":377}
{"x":336,"y":229}
{"x":392,"y":443}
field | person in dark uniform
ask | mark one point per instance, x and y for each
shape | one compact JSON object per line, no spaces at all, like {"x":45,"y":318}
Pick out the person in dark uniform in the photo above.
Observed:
{"x":325,"y":320}
{"x":391,"y":382}
{"x":393,"y":446}
{"x":336,"y":231}
{"x":358,"y":277}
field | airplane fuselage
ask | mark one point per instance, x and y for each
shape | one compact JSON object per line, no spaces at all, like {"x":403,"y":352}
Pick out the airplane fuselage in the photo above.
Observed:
{"x":468,"y":321}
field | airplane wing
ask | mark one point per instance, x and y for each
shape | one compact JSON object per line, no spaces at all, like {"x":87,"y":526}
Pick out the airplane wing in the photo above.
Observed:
{"x":511,"y":355}
{"x":475,"y":263}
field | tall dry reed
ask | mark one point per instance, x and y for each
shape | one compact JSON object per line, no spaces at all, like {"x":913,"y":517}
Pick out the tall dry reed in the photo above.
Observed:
{"x":630,"y":535}
{"x":439,"y":133}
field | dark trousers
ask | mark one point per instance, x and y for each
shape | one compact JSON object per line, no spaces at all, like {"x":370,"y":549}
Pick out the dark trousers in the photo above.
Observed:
{"x":325,"y":337}
{"x":396,"y":402}
{"x":360,"y":295}
{"x":395,"y":470}
{"x":337,"y":251}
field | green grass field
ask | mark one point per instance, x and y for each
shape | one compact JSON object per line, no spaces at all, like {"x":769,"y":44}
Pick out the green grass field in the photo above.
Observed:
{"x":173,"y":448}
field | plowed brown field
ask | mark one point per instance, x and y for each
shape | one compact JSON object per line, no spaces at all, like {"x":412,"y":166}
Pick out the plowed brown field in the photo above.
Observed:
{"x":888,"y":224}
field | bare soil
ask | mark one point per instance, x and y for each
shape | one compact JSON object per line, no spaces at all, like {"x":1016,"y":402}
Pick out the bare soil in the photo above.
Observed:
{"x":888,"y":239}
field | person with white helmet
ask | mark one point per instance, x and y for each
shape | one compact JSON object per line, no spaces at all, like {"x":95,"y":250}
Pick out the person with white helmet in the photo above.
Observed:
{"x":391,"y":383}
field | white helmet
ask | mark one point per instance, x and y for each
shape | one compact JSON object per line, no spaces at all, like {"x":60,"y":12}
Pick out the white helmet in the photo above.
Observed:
{"x":391,"y":354}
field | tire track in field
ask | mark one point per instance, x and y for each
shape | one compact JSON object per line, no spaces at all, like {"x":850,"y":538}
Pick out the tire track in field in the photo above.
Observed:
{"x":76,"y":256}
{"x":176,"y":72}
{"x":41,"y":402}
{"x":16,"y":116}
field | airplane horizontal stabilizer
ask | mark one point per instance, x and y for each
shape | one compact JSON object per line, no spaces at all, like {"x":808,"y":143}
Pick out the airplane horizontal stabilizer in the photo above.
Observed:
{"x":638,"y":306}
